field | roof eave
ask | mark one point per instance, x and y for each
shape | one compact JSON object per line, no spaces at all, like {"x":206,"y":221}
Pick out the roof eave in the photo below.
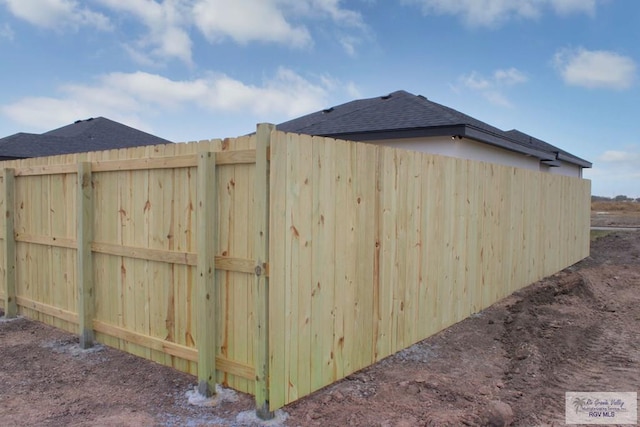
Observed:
{"x":497,"y":141}
{"x":377,"y":135}
{"x":451,"y":130}
{"x":574,"y":160}
{"x":551,"y":163}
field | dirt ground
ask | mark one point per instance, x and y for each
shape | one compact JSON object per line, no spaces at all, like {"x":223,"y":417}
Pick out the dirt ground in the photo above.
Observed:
{"x":511,"y":364}
{"x":615,"y":214}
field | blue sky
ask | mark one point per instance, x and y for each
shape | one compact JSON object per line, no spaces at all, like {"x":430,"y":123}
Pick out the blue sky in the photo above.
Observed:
{"x":565,"y":71}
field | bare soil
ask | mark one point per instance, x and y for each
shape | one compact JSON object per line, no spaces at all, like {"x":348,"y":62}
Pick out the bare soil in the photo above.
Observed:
{"x":511,"y":364}
{"x":615,"y":214}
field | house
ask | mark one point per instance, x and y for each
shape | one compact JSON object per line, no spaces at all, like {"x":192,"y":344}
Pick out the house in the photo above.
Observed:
{"x":412,"y":122}
{"x":94,"y":134}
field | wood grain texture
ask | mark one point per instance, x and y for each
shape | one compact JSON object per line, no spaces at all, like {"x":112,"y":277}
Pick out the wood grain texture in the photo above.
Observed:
{"x":9,"y":244}
{"x":399,"y":245}
{"x":206,"y":303}
{"x":86,"y":291}
{"x":261,"y":236}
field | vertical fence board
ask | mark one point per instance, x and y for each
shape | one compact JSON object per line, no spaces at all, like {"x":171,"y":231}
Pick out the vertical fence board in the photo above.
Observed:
{"x":109,"y":269}
{"x":224,"y":279}
{"x":141,"y":205}
{"x":346,"y":266}
{"x":304,"y":228}
{"x":361,"y":351}
{"x":323,"y":269}
{"x":206,"y":310}
{"x":183,"y":276}
{"x":435,"y":236}
{"x":398,"y":282}
{"x":341,"y":280}
{"x":277,"y":271}
{"x":161,"y":275}
{"x":388,"y":242}
{"x":241,"y":243}
{"x":413,"y":265}
{"x":44,"y":265}
{"x":447,"y":272}
{"x":426,"y":293}
{"x":261,"y":253}
{"x":10,"y":308}
{"x":459,"y":240}
{"x":292,"y":237}
{"x":84,"y":203}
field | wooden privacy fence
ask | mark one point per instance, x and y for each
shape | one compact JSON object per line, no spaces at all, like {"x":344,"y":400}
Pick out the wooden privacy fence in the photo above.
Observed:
{"x":280,"y":262}
{"x":124,"y":245}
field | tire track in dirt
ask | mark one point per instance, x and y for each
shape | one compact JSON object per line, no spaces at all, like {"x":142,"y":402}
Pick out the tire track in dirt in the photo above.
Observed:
{"x":571,"y":334}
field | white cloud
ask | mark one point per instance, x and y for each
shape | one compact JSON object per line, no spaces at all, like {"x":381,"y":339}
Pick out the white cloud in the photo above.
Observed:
{"x":497,"y":98}
{"x":595,"y":68}
{"x":57,"y":14}
{"x":350,"y":44}
{"x":169,"y":23}
{"x":475,"y":81}
{"x":130,"y":97}
{"x":564,"y":7}
{"x":491,"y":13}
{"x":509,"y":77}
{"x":493,"y":88}
{"x":629,"y":159}
{"x":6,"y":32}
{"x":616,"y":172}
{"x":166,"y":23}
{"x":324,"y":8}
{"x":272,"y":20}
{"x":246,"y":21}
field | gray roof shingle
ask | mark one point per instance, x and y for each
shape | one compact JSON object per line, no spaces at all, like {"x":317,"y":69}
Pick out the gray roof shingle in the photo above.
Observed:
{"x":404,"y":115}
{"x":94,"y":134}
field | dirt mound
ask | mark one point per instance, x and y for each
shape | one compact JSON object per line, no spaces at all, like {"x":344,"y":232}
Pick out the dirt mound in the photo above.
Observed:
{"x":619,"y":248}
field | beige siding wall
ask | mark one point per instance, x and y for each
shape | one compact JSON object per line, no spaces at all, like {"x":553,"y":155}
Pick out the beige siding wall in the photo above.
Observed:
{"x":566,"y":169}
{"x":472,"y":150}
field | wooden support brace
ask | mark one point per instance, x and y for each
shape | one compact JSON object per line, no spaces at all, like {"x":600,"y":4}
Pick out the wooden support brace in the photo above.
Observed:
{"x":86,"y":306}
{"x":261,"y":290}
{"x":11,"y":307}
{"x":206,"y":300}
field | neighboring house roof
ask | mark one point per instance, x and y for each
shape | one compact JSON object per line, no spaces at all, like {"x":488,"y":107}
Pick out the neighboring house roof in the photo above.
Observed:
{"x":94,"y":134}
{"x":404,"y":115}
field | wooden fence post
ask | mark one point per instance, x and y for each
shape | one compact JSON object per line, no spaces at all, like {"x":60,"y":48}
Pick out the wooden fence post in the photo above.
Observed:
{"x":10,"y":306}
{"x":86,"y":306}
{"x":206,"y":300}
{"x":261,"y":291}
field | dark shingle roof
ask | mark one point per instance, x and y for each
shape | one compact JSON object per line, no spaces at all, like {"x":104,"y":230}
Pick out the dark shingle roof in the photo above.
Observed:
{"x":93,"y":134}
{"x":404,"y":115}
